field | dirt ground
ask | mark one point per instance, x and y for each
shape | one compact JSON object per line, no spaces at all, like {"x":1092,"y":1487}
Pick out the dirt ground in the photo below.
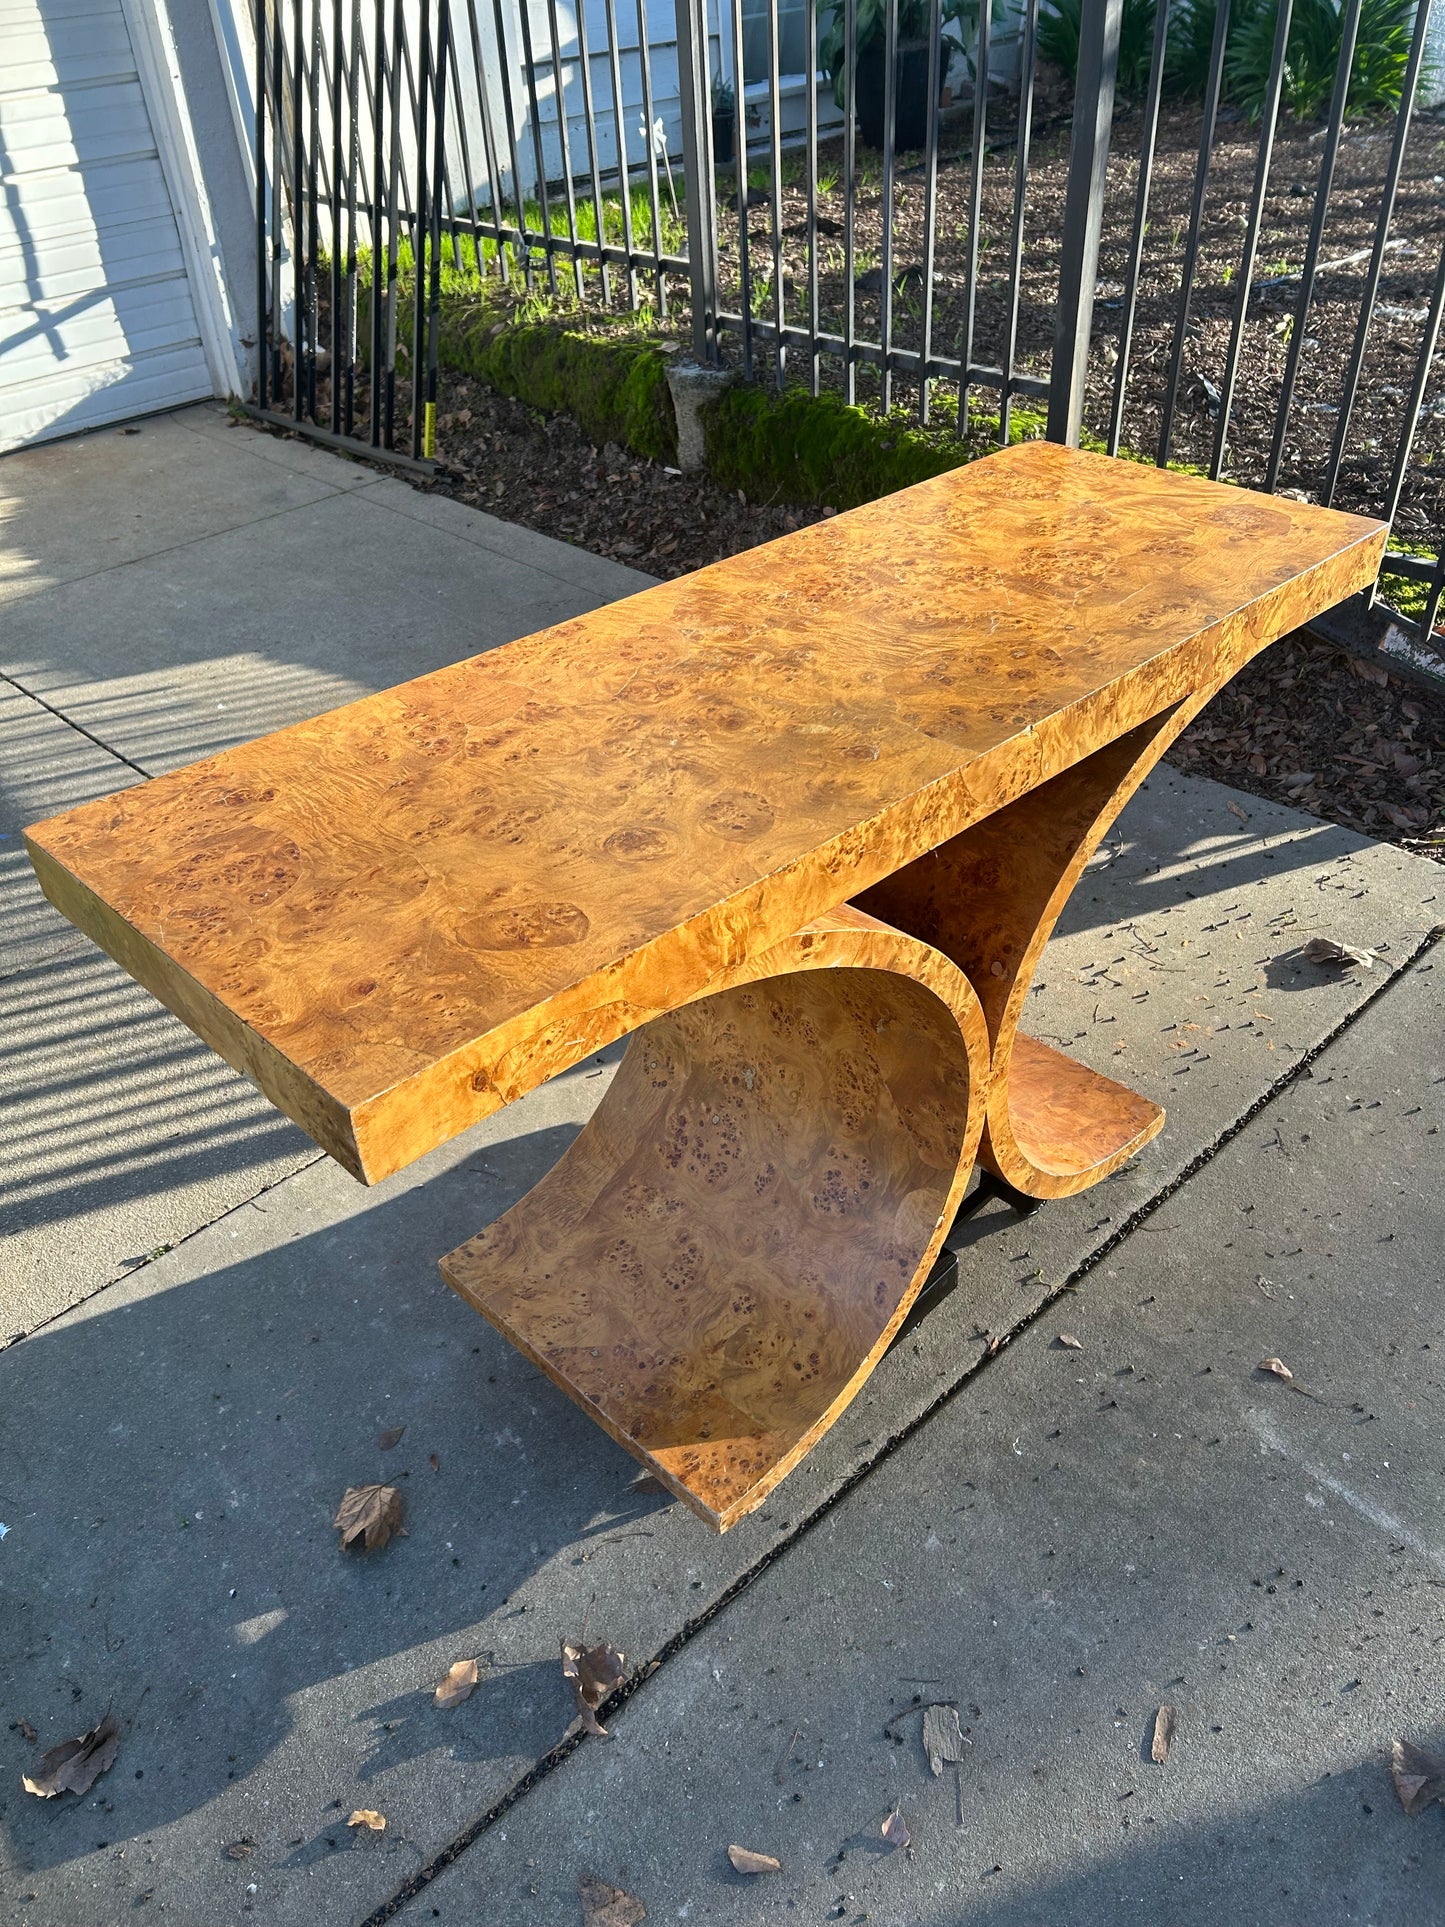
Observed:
{"x":1393,"y":343}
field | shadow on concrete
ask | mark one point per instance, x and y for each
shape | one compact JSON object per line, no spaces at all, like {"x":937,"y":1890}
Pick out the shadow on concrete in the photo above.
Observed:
{"x":171,"y":1553}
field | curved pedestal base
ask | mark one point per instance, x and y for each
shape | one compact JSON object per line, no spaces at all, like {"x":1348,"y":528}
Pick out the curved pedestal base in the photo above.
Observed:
{"x":716,"y":1264}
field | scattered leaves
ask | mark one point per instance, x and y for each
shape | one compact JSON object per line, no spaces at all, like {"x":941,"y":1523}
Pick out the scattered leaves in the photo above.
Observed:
{"x":593,"y":1672}
{"x":370,"y":1513}
{"x":1324,"y":950}
{"x":369,"y":1818}
{"x":1163,"y":1735}
{"x":606,"y":1906}
{"x":746,"y":1861}
{"x":390,"y":1438}
{"x":895,"y":1831}
{"x":942,"y":1736}
{"x":1419,"y":1776}
{"x":75,"y":1765}
{"x":1067,"y":1342}
{"x":1276,"y":1366}
{"x":459,"y":1684}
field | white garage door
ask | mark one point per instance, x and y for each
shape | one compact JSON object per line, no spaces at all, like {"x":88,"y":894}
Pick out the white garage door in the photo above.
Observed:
{"x":97,"y":319}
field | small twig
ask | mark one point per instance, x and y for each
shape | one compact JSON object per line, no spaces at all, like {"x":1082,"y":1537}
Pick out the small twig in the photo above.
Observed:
{"x":787,"y":1755}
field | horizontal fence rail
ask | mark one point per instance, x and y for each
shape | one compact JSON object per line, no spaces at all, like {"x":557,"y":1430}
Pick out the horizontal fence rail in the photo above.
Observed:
{"x":896,"y":201}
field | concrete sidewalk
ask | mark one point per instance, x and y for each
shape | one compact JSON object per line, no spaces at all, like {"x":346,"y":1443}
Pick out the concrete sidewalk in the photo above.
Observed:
{"x":176,"y":1432}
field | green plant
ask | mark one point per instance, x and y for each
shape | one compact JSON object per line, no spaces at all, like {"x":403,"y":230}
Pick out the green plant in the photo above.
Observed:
{"x":871,"y":17}
{"x":724,"y":101}
{"x":1059,"y":40}
{"x":1312,"y":54}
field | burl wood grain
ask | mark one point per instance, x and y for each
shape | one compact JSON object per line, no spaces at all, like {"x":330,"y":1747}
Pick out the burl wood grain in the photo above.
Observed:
{"x":404,"y":914}
{"x":719,"y":1259}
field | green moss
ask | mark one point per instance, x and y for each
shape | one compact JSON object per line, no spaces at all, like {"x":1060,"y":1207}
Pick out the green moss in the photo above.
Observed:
{"x":615,"y":388}
{"x":817,"y":449}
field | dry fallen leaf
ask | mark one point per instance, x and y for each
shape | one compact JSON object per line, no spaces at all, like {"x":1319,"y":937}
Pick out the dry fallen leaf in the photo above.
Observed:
{"x":1419,"y":1776}
{"x":895,"y":1830}
{"x":604,"y":1906}
{"x":593,"y":1672}
{"x":1235,"y":810}
{"x":1275,"y":1365}
{"x":390,"y":1437}
{"x":240,"y":1849}
{"x":459,"y":1684}
{"x":746,"y":1861}
{"x":370,"y":1513}
{"x":1163,"y":1735}
{"x":942,"y":1738}
{"x":1324,"y":950}
{"x":1067,"y":1342}
{"x":433,"y":1461}
{"x":75,"y":1765}
{"x":369,"y":1818}
{"x":27,"y":1731}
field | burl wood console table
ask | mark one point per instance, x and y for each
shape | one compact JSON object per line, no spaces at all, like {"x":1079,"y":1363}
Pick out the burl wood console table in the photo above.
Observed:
{"x":800,"y":823}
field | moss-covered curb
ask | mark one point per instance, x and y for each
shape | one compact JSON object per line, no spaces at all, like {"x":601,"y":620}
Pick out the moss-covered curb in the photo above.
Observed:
{"x":616,"y":389}
{"x":817,"y":449}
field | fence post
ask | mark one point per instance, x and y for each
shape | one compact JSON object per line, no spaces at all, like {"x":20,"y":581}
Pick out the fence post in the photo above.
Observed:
{"x":1083,"y":214}
{"x":695,"y":88}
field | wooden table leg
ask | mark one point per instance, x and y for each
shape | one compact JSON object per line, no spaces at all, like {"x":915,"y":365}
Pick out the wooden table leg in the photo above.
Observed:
{"x":989,"y":899}
{"x":718,"y":1261}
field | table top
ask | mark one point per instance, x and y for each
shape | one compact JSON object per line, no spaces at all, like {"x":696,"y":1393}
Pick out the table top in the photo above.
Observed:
{"x":402,"y":914}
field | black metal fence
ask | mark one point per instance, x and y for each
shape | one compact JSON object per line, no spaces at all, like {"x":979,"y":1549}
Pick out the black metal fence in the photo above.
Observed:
{"x":890,"y":198}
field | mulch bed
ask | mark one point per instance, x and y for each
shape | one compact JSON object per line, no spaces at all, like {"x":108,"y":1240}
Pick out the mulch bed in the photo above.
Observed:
{"x":1305,"y":724}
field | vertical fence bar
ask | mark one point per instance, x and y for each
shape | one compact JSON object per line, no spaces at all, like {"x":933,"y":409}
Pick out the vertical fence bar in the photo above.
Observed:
{"x":775,"y":170}
{"x":353,"y":170}
{"x":534,"y":114}
{"x":395,"y":188}
{"x":890,"y":137}
{"x":335,"y":206}
{"x":1021,"y":183}
{"x":850,"y":195}
{"x":930,"y":201}
{"x":624,"y":179}
{"x":697,"y":176}
{"x":1251,"y":233}
{"x":469,"y":181}
{"x":278,"y":194}
{"x":644,"y":55}
{"x":559,"y":89}
{"x":810,"y":103}
{"x":1148,"y":142}
{"x":975,"y":191}
{"x":298,"y":207}
{"x":584,"y":62}
{"x":262,"y":329}
{"x":313,"y":157}
{"x":1409,"y":88}
{"x":1334,"y":127}
{"x":1212,"y":91}
{"x":1429,"y":341}
{"x":420,"y":222}
{"x":745,"y":268}
{"x":489,"y":142}
{"x":379,"y":66}
{"x":434,"y":293}
{"x":509,"y":108}
{"x":1083,"y":215}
